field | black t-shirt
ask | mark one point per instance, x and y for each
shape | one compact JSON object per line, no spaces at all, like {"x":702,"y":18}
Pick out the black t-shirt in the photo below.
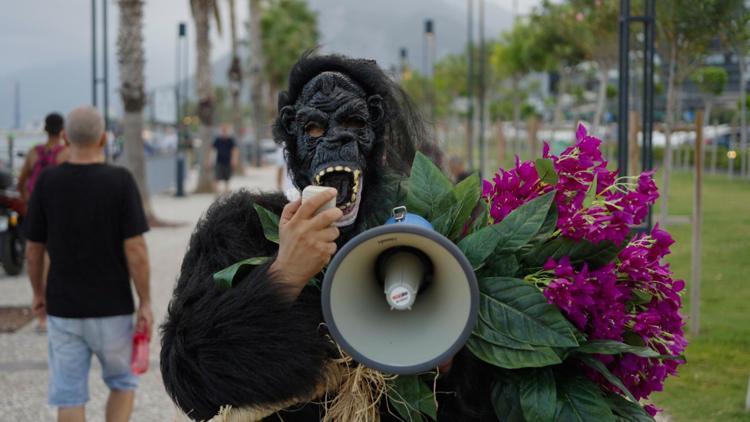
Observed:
{"x":224,"y":146}
{"x":83,"y":213}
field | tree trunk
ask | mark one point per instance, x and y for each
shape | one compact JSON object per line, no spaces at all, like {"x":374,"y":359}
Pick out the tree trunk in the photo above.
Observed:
{"x":132,"y":125}
{"x":532,"y":128}
{"x":131,"y":61}
{"x":561,"y":88}
{"x":516,"y":116}
{"x":501,"y":145}
{"x":669,"y":122}
{"x":235,"y":80}
{"x":743,"y":115}
{"x":601,"y":100}
{"x":201,"y":13}
{"x":256,"y":76}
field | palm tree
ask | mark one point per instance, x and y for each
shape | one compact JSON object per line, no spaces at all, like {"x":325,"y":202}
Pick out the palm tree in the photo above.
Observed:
{"x":130,"y":59}
{"x":235,"y":81}
{"x":256,"y":75}
{"x":202,"y":11}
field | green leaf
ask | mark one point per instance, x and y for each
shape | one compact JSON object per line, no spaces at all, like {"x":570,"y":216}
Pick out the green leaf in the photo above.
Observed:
{"x":442,"y":224}
{"x":538,"y":395}
{"x":225,"y":278}
{"x":270,"y":223}
{"x":628,"y":410}
{"x":506,"y":237}
{"x":614,"y":347}
{"x":467,"y":194}
{"x":578,"y":399}
{"x":545,"y":168}
{"x":521,"y":225}
{"x":633,"y":339}
{"x":642,"y":297}
{"x":579,"y":251}
{"x":488,"y":334}
{"x":482,"y":219}
{"x":545,"y":232}
{"x":505,"y":357}
{"x":500,"y":266}
{"x":506,"y":401}
{"x":412,"y":398}
{"x":519,"y":310}
{"x":601,"y":368}
{"x":426,"y":185}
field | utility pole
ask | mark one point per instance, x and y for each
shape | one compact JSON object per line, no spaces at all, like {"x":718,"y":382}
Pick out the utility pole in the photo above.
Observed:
{"x":695,"y":284}
{"x":482,"y":60}
{"x":256,"y":76}
{"x":470,"y":88}
{"x":93,"y":53}
{"x":17,"y":106}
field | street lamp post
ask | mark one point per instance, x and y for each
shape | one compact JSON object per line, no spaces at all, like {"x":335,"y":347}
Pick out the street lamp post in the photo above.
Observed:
{"x":470,"y":88}
{"x":429,"y":65}
{"x":481,"y":90}
{"x":180,"y":74}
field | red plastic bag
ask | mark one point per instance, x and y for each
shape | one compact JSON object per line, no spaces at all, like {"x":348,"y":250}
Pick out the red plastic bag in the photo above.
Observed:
{"x":139,"y":358}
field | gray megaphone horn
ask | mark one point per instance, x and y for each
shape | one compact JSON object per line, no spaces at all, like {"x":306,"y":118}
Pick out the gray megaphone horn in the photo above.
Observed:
{"x":400,"y":298}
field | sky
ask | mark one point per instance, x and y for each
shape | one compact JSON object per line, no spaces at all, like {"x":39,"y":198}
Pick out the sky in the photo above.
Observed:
{"x":40,"y":32}
{"x":56,"y":34}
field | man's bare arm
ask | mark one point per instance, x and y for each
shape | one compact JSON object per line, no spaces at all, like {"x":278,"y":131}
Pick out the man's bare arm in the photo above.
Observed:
{"x":136,"y":253}
{"x":23,"y":177}
{"x":35,"y":264}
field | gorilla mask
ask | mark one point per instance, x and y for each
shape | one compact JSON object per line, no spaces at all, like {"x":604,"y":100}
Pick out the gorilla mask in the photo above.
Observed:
{"x":333,"y":129}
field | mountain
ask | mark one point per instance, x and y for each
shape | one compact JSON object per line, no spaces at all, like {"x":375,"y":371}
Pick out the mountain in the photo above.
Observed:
{"x":362,"y":28}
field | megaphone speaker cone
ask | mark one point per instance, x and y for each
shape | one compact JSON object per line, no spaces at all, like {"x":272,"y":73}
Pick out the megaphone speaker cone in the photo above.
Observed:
{"x":371,"y":318}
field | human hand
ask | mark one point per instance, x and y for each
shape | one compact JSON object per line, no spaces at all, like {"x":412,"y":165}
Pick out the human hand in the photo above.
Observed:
{"x":145,"y":318}
{"x":306,"y":241}
{"x":39,"y":305}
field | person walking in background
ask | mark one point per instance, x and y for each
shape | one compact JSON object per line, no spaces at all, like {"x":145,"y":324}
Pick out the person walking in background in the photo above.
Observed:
{"x":88,"y":216}
{"x":37,"y":159}
{"x":44,"y":155}
{"x":457,"y":169}
{"x":227,"y":157}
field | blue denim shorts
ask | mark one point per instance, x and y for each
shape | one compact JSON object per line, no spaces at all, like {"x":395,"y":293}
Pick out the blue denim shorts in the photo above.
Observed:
{"x":71,"y":343}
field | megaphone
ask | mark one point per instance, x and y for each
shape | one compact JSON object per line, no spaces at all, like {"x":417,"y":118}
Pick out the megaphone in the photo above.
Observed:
{"x":400,"y":298}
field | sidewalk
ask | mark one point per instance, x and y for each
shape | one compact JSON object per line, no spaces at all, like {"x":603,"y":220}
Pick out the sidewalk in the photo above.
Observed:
{"x":23,"y":354}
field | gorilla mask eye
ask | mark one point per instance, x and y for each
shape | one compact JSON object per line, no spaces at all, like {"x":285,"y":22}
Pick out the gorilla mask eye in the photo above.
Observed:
{"x":354,"y":123}
{"x":314,"y":130}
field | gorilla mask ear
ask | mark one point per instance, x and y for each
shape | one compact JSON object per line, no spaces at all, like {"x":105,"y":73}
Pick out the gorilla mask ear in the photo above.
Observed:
{"x":375,"y":108}
{"x":286,"y":117}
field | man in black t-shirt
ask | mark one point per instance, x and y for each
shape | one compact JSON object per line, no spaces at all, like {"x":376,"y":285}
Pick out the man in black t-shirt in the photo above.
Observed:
{"x":88,"y":216}
{"x":227,"y":156}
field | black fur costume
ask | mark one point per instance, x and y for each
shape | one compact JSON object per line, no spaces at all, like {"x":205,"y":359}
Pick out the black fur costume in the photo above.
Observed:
{"x":248,"y":345}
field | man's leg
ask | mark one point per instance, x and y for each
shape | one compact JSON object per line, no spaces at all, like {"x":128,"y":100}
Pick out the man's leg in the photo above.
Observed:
{"x":71,"y":414}
{"x":69,"y":363}
{"x":120,"y":405}
{"x":114,"y":355}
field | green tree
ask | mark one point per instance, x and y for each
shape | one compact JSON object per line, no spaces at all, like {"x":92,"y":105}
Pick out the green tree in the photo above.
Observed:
{"x":711,"y":82}
{"x":685,"y":29}
{"x":736,"y":34}
{"x":288,"y":28}
{"x":513,"y":58}
{"x":557,"y":34}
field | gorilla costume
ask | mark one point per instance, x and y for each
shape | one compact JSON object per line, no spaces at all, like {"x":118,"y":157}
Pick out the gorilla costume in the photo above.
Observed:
{"x":345,"y":124}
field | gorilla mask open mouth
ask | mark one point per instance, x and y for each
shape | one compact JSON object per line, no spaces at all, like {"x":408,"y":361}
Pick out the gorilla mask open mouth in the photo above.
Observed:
{"x":347,"y":180}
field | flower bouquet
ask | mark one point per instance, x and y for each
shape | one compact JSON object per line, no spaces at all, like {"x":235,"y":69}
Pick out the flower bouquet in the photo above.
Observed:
{"x":579,"y":316}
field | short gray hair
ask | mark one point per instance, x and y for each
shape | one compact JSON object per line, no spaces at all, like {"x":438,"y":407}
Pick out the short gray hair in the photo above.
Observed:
{"x":84,"y":126}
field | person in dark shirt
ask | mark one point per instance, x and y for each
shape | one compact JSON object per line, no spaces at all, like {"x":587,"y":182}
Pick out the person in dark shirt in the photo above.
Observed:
{"x":227,"y":156}
{"x":89,"y":217}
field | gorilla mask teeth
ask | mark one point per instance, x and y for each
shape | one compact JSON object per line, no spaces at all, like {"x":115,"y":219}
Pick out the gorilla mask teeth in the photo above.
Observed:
{"x":348,"y":183}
